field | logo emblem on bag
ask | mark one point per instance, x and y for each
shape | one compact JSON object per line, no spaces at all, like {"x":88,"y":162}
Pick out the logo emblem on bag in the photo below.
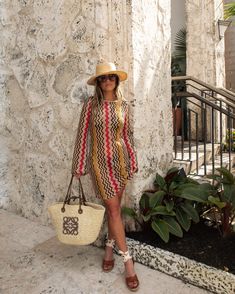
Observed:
{"x":70,"y":225}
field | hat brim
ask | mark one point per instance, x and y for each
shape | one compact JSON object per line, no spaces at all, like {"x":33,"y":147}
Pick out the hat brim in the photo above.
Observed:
{"x":121,"y":74}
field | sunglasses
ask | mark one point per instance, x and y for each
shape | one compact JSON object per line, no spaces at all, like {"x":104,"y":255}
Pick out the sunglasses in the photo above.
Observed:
{"x":104,"y":78}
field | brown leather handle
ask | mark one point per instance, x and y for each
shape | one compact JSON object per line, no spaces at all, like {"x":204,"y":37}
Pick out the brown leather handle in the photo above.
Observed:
{"x":81,"y":193}
{"x":68,"y":197}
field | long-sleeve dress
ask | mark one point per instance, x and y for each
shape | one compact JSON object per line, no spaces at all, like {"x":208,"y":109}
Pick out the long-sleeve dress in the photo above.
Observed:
{"x":104,"y":146}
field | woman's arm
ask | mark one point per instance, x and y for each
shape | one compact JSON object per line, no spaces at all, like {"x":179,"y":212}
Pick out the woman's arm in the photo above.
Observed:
{"x":129,"y":141}
{"x":79,"y":162}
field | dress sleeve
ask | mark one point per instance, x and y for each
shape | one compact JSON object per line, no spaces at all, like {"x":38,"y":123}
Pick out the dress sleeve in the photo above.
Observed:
{"x":129,"y":141}
{"x":80,"y":154}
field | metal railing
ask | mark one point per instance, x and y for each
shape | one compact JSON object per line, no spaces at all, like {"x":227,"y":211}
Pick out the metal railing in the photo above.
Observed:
{"x":206,"y":126}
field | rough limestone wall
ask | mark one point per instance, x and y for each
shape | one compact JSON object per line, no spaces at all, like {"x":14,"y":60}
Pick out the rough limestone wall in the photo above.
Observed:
{"x":205,"y":51}
{"x":151,"y":94}
{"x":230,"y":54}
{"x":219,"y":46}
{"x":49,"y":49}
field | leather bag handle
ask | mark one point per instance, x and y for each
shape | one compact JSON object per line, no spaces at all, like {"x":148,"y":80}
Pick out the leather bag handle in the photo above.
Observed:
{"x":81,"y":196}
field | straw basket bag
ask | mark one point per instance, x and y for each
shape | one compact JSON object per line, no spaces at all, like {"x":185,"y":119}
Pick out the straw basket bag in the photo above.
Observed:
{"x":77,"y":224}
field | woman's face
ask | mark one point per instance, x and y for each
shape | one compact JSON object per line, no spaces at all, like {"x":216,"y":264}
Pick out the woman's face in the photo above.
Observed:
{"x":107,"y":83}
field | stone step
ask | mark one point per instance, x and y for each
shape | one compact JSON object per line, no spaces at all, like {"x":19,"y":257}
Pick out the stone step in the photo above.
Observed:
{"x":200,"y":147}
{"x":190,"y":166}
{"x":209,"y":168}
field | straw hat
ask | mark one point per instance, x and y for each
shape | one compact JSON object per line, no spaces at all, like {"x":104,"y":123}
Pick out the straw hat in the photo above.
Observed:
{"x":106,"y":68}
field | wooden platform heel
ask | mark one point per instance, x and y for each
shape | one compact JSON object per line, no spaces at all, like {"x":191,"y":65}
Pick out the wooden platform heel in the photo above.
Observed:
{"x":132,"y":282}
{"x":107,"y":265}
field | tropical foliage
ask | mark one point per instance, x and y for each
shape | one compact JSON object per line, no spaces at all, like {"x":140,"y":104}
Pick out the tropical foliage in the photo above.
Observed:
{"x":178,"y":65}
{"x":222,"y":201}
{"x":169,"y":209}
{"x":180,"y":45}
{"x":229,"y":144}
{"x":229,"y":10}
{"x":177,"y":201}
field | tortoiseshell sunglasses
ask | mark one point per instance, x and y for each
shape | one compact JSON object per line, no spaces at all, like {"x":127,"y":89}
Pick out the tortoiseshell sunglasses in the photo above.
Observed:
{"x":104,"y":78}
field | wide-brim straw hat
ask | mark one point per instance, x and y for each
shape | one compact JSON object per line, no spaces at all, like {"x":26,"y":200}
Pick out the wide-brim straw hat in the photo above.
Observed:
{"x":107,"y":68}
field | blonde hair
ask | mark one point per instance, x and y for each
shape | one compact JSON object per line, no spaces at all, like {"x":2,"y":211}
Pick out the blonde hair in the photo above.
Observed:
{"x":99,"y":96}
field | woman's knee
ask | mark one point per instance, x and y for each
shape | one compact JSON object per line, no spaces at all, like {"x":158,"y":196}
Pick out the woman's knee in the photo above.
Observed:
{"x":120,"y":194}
{"x":113,"y":209}
{"x":114,"y":212}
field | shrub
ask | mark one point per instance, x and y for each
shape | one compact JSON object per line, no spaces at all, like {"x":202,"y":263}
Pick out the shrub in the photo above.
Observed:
{"x":170,"y":207}
{"x":222,"y":201}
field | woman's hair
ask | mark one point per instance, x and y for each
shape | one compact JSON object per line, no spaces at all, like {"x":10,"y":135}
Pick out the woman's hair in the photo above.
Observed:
{"x":98,"y":93}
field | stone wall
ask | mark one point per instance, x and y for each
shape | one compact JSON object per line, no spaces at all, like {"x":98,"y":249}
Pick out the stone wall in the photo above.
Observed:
{"x":150,"y":92}
{"x":49,"y":49}
{"x":230,"y":54}
{"x":205,"y":51}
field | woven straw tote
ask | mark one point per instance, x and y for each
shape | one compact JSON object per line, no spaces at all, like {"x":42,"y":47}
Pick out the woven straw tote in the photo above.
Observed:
{"x":77,"y":224}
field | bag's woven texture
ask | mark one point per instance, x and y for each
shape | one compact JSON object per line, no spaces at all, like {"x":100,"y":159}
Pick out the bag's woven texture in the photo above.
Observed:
{"x":75,"y":228}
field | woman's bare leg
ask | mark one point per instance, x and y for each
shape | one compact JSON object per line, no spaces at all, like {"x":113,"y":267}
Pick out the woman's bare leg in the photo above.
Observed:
{"x":109,"y":250}
{"x":117,"y":229}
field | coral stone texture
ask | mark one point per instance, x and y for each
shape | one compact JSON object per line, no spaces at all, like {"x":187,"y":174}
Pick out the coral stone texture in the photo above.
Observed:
{"x":205,"y":50}
{"x":230,"y":54}
{"x":48,"y":51}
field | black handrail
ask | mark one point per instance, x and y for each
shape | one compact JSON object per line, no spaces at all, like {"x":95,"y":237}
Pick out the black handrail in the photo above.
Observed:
{"x":215,"y":109}
{"x":223,"y":92}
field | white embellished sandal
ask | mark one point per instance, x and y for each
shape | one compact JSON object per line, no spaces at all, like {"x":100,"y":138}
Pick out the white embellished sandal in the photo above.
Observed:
{"x":107,"y":265}
{"x":132,"y":283}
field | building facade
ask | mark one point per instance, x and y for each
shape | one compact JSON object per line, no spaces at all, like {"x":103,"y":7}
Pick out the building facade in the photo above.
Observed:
{"x":50,"y":49}
{"x":230,"y":54}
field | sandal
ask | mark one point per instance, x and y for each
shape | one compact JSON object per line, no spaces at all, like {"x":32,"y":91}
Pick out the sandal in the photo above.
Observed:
{"x":107,"y":265}
{"x":132,"y":283}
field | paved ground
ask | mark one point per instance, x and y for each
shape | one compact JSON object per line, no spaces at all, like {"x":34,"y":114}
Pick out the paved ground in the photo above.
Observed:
{"x":32,"y":261}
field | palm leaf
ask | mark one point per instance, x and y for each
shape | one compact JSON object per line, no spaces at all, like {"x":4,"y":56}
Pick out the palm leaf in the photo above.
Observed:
{"x":180,"y":44}
{"x":229,"y":10}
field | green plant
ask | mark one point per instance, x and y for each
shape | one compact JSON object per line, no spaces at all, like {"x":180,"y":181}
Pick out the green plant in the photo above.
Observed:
{"x":180,"y":45}
{"x":229,"y":10}
{"x":222,"y":201}
{"x":178,"y":60}
{"x":218,"y":200}
{"x":178,"y":67}
{"x":170,"y":208}
{"x":230,"y":140}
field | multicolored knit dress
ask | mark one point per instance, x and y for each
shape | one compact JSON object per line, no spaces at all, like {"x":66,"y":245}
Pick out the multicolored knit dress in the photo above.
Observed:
{"x":104,"y":146}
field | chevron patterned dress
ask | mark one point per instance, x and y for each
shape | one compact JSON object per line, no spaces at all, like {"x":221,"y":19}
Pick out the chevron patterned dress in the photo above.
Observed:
{"x":104,"y":146}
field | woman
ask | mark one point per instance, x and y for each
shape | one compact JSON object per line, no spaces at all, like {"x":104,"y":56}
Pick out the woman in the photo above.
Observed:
{"x":109,"y":156}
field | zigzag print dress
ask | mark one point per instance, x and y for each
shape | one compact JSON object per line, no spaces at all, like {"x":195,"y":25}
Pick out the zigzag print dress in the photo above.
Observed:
{"x":104,"y":146}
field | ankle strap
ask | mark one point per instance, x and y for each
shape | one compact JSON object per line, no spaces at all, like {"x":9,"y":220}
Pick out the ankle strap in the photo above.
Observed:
{"x":126,"y":255}
{"x":110,"y":243}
